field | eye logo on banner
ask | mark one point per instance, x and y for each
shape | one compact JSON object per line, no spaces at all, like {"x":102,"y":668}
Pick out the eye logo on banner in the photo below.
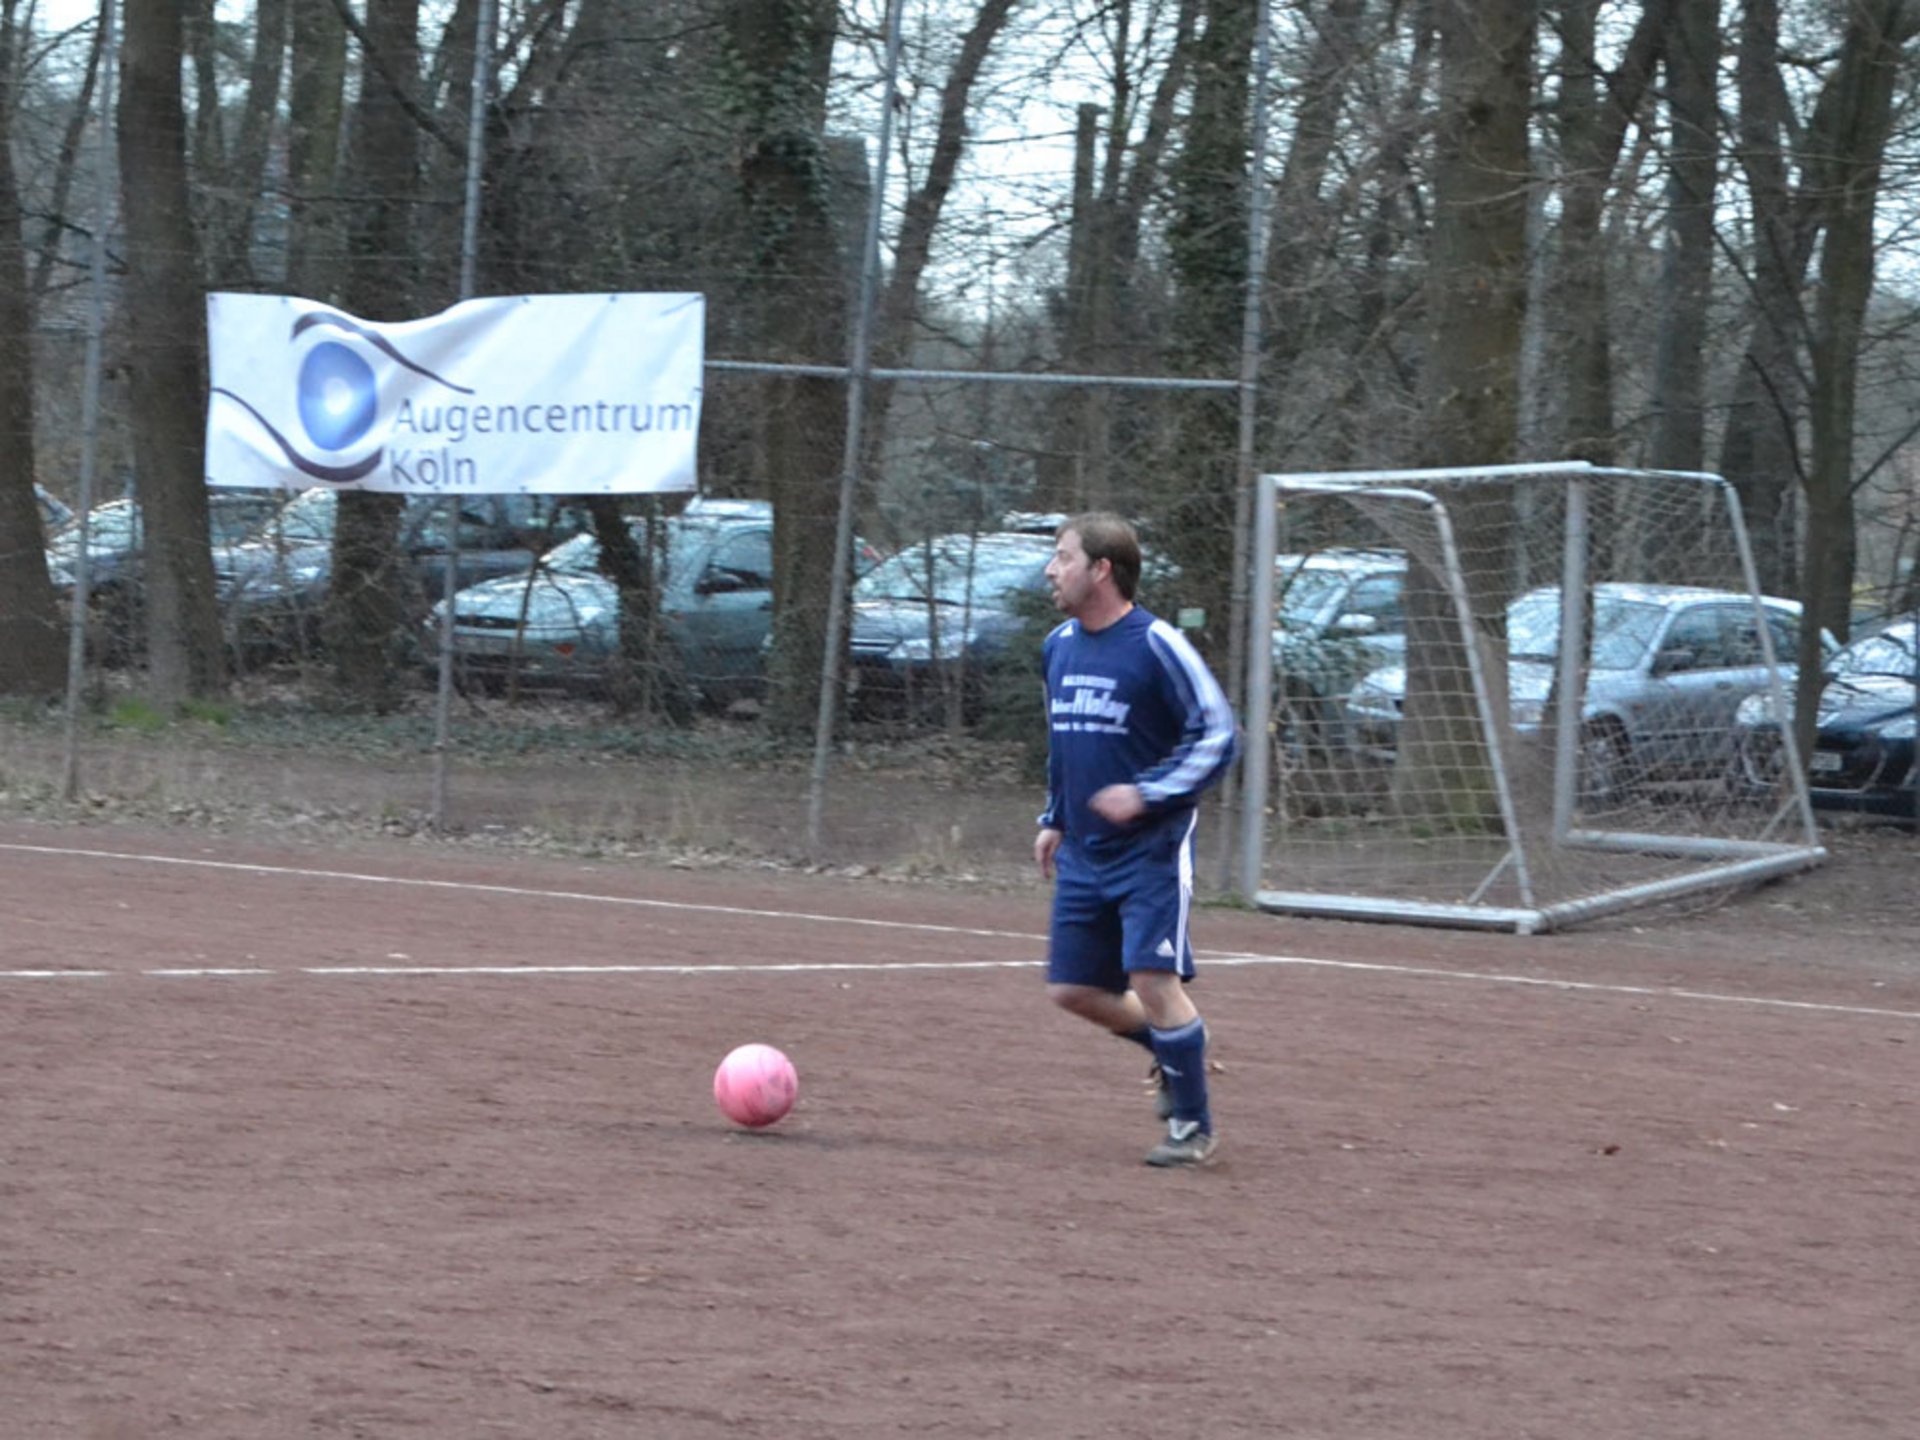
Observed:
{"x":336,"y":398}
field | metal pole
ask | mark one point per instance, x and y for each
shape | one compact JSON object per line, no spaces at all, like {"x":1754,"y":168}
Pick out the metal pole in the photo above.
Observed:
{"x":1249,"y":619}
{"x":859,"y":374}
{"x":1253,"y":767}
{"x":1572,"y":701}
{"x":90,"y":407}
{"x":469,"y":249}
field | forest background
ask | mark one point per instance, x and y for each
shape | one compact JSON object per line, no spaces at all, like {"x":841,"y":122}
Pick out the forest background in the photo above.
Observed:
{"x":1677,"y":234}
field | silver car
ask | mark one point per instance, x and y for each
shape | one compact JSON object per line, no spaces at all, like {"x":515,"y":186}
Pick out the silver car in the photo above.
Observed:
{"x":1670,"y":666}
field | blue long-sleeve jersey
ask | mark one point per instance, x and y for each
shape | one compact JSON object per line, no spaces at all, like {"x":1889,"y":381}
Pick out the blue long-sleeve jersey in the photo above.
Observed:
{"x":1133,"y":704}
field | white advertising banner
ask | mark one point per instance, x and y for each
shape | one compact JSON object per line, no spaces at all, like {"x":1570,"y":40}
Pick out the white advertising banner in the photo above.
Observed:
{"x":541,"y":394}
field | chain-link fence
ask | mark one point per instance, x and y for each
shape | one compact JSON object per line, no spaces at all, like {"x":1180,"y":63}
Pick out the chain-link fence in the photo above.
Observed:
{"x":978,"y":289}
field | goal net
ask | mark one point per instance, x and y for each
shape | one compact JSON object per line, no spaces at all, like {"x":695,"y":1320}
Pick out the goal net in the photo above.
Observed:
{"x":1511,"y":697}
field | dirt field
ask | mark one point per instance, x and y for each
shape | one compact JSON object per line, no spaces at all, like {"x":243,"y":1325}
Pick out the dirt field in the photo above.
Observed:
{"x":331,"y":1134}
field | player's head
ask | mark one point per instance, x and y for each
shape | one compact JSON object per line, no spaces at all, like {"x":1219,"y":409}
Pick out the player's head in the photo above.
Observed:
{"x":1105,"y":536}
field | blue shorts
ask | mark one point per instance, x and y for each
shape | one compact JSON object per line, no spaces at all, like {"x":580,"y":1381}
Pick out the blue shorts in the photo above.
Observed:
{"x":1114,"y":914}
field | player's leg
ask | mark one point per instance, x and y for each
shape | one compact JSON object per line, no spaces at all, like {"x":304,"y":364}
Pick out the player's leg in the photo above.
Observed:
{"x":1158,"y":956}
{"x":1084,"y":973}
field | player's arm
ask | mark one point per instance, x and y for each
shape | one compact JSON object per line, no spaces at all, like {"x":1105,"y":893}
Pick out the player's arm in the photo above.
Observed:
{"x":1208,"y":737}
{"x":1047,"y":843}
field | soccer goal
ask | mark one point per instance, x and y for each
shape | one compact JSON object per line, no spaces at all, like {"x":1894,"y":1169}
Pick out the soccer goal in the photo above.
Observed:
{"x":1512,"y":697}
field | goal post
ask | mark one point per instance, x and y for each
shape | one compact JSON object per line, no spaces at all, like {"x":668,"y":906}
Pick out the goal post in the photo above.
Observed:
{"x":1508,"y":697}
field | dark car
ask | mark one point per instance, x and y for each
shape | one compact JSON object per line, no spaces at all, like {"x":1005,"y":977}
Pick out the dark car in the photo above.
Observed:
{"x":1863,"y":750}
{"x":272,"y":585}
{"x":116,"y":535}
{"x":116,"y":555}
{"x":937,"y":613}
{"x":558,"y":623}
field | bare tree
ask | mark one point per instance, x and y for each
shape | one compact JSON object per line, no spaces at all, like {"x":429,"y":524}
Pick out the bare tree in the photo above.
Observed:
{"x":166,"y":319}
{"x":1477,"y":288}
{"x":1877,"y":34}
{"x":1594,"y":111}
{"x":66,"y":165}
{"x":1760,"y":454}
{"x":229,"y":261}
{"x":1691,"y":57}
{"x":315,"y":103}
{"x":1207,"y":253}
{"x":30,"y":649}
{"x":794,"y":196}
{"x":366,"y":597}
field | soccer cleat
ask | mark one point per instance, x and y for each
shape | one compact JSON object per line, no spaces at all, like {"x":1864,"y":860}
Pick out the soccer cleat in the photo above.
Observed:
{"x":1158,"y":1090}
{"x":1186,"y":1145}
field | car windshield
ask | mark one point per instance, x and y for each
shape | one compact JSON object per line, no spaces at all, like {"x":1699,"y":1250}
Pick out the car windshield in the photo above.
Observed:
{"x":578,"y":556}
{"x":963,"y":572}
{"x":1306,"y":594}
{"x":581,"y":554}
{"x":1891,"y":652}
{"x":1622,"y":629}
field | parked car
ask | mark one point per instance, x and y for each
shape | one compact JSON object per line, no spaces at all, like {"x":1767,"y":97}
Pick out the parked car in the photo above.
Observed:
{"x":272,"y":584}
{"x":1338,"y":615}
{"x":1863,"y":751}
{"x":116,"y":536}
{"x":946,"y":606}
{"x":1670,"y":668}
{"x":116,"y":556}
{"x":558,"y":623}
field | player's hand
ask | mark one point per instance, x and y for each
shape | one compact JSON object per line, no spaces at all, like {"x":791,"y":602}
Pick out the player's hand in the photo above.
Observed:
{"x":1045,"y":845}
{"x":1119,"y":804}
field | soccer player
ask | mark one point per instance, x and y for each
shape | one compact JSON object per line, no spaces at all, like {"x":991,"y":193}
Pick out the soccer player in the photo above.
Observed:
{"x":1137,"y":729}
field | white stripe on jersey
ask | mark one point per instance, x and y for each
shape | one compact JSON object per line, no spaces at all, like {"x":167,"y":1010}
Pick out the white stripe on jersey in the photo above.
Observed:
{"x":1191,"y":675}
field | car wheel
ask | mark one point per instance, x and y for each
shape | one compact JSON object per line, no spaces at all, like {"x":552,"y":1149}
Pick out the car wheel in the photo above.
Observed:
{"x":1605,"y":763}
{"x":1760,"y":761}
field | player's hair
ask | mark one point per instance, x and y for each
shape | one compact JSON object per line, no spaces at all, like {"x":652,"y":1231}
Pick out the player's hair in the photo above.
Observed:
{"x":1105,"y":536}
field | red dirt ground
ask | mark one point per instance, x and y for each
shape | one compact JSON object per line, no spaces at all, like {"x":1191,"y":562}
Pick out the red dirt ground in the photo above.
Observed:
{"x":1653,"y":1179}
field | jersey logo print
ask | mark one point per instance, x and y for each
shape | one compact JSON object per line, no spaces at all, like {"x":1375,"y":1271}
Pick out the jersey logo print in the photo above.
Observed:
{"x":1164,"y":950}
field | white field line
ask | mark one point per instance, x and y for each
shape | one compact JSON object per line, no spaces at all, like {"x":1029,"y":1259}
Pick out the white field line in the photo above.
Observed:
{"x":519,"y":891}
{"x":1212,"y":958}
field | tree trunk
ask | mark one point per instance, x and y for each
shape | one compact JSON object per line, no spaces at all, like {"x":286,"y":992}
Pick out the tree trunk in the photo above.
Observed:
{"x":795,"y":194}
{"x":1207,"y":254}
{"x":1477,"y":290}
{"x":231,"y":262}
{"x":314,"y":109}
{"x":1594,"y":112}
{"x":31,"y":651}
{"x":66,"y":166}
{"x":1870,"y":57}
{"x":1760,"y":456}
{"x":1301,"y":226}
{"x":366,"y":599}
{"x":1686,"y":274}
{"x":166,"y":319}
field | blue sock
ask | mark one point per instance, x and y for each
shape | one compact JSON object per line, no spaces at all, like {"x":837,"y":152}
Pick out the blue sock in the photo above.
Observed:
{"x":1143,"y":1037}
{"x":1182,"y":1055}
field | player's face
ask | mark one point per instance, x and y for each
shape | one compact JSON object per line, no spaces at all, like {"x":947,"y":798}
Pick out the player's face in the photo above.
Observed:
{"x":1073,"y":577}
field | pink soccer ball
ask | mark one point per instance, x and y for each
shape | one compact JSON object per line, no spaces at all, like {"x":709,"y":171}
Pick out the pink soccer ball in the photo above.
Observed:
{"x":755,"y":1085}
